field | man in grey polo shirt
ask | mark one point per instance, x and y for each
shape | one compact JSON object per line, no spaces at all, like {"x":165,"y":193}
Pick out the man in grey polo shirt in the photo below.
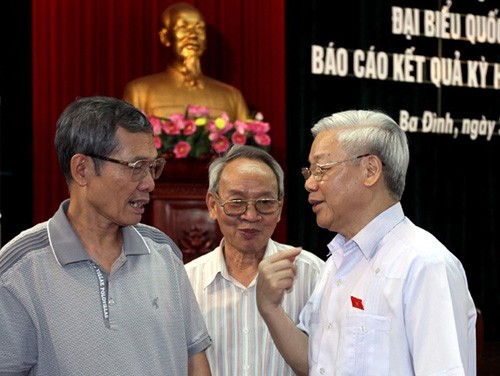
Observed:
{"x":92,"y":291}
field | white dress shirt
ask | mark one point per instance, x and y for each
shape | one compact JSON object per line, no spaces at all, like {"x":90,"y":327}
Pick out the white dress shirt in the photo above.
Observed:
{"x":391,"y":301}
{"x":241,"y":343}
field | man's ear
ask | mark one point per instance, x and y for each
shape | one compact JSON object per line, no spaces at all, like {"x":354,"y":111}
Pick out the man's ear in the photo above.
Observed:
{"x":80,"y":166}
{"x":373,"y":169}
{"x":163,"y":33}
{"x":211,"y":202}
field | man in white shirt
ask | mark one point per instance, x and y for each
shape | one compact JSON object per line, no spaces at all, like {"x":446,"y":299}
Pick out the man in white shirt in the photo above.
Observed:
{"x":245,"y":196}
{"x":391,"y":300}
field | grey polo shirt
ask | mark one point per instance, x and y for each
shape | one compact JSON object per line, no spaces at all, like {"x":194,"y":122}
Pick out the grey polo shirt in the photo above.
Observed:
{"x":61,"y":315}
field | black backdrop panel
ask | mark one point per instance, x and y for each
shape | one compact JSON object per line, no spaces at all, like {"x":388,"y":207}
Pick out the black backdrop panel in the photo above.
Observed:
{"x":452,"y":185}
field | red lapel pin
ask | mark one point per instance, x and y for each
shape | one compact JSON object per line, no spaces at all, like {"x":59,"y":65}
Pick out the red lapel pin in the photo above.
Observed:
{"x":357,"y":303}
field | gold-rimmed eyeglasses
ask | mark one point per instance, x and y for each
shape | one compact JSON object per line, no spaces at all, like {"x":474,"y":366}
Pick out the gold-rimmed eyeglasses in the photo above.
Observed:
{"x":319,"y":170}
{"x":237,"y":207}
{"x":140,"y":167}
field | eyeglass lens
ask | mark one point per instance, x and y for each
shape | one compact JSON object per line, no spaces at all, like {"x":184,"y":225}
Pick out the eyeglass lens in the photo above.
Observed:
{"x":317,"y":172}
{"x":238,"y":207}
{"x":155,"y":167}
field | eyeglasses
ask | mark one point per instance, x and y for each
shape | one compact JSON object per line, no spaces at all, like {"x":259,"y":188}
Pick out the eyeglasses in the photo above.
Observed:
{"x":139,"y":168}
{"x":318,"y":171}
{"x":239,"y":207}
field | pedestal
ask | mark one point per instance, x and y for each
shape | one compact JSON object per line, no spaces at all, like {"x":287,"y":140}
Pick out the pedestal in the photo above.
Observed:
{"x":178,"y":207}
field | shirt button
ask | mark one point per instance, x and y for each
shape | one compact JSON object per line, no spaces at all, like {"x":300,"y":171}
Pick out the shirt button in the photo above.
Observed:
{"x":111,"y":301}
{"x":245,"y":331}
{"x":377,"y":270}
{"x":330,"y":325}
{"x":322,"y":371}
{"x":339,"y":282}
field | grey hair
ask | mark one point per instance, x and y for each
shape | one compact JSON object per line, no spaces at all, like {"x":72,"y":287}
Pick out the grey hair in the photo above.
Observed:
{"x":374,"y":132}
{"x":249,"y":152}
{"x":88,"y":126}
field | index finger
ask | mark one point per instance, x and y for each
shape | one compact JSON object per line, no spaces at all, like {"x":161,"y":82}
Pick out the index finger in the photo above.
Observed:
{"x":290,"y":254}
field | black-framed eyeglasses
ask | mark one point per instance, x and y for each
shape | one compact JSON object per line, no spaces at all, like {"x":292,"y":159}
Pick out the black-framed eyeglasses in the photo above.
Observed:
{"x":139,"y":168}
{"x":239,"y":206}
{"x":319,"y":170}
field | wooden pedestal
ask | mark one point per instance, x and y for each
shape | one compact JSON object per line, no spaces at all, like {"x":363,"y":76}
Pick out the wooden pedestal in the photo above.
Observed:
{"x":178,"y":207}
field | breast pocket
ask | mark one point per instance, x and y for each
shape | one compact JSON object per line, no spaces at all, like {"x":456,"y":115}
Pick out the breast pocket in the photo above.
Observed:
{"x":364,"y":347}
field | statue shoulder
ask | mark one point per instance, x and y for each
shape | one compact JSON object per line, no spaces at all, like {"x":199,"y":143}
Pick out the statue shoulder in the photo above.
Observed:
{"x":228,"y":98}
{"x":214,"y":84}
{"x":150,"y":80}
{"x":140,"y":90}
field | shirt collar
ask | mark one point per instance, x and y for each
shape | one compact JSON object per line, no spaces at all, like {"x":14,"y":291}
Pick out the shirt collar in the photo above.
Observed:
{"x":67,"y":247}
{"x":214,"y":265}
{"x":217,"y":264}
{"x":369,"y":237}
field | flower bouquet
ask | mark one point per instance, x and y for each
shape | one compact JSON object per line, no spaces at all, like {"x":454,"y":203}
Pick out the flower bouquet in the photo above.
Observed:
{"x":196,"y":134}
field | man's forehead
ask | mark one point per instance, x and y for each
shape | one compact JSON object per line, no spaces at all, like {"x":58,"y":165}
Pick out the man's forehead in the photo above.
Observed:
{"x":187,"y":15}
{"x":242,"y":177}
{"x":179,"y":13}
{"x":324,"y":145}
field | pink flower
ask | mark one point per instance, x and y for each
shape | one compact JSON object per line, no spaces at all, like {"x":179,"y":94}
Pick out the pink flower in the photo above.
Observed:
{"x":189,"y":127}
{"x":259,"y":127}
{"x":240,"y":126}
{"x":238,"y":138}
{"x":212,"y":136}
{"x":157,"y":141}
{"x":185,"y":134}
{"x":262,"y":139}
{"x":220,"y":144}
{"x":177,"y":118}
{"x":176,"y":124}
{"x":171,"y":128}
{"x":198,"y":111}
{"x":156,"y":123}
{"x":182,"y":149}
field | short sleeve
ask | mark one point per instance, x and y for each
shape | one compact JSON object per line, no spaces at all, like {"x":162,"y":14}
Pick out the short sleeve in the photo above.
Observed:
{"x":18,"y":340}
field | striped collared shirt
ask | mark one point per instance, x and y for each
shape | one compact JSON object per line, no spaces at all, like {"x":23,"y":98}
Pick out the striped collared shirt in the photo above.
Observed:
{"x":241,"y":343}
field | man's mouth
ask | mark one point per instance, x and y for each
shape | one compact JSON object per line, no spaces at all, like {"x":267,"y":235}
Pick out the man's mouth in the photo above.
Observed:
{"x":314,"y":204}
{"x":192,"y":45}
{"x":138,"y":204}
{"x":248,"y":233}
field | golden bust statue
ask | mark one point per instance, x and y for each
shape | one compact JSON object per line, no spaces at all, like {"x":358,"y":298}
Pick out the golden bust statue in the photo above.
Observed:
{"x":183,"y":83}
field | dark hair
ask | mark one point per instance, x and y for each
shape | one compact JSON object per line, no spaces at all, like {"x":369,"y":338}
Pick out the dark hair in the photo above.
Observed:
{"x":244,"y":151}
{"x":88,"y":126}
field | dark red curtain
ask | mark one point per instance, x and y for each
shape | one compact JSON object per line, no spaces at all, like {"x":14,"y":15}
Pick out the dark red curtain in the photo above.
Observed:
{"x":94,"y":47}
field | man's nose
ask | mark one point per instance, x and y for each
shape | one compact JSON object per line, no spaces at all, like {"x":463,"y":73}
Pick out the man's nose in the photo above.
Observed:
{"x":251,"y":213}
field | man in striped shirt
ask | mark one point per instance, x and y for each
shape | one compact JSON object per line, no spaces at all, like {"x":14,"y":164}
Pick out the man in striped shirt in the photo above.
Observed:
{"x":245,"y":196}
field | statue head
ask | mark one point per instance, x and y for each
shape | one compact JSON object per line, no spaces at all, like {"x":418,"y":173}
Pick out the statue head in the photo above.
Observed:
{"x":183,"y":33}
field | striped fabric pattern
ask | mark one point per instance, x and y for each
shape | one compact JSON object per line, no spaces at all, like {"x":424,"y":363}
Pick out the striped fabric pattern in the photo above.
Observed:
{"x":242,"y":344}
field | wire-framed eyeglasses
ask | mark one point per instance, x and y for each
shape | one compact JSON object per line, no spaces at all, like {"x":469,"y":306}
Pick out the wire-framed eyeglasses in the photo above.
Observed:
{"x":319,"y":170}
{"x":237,"y":207}
{"x":140,"y":168}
